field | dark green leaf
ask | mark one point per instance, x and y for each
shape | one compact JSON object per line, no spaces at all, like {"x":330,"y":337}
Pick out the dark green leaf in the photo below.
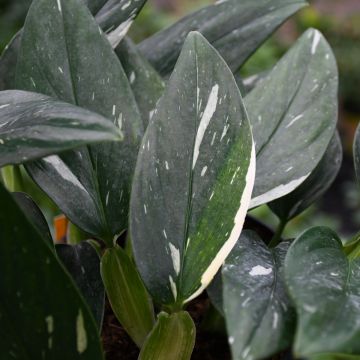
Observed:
{"x":194,"y":177}
{"x":294,"y":108}
{"x":42,"y":315}
{"x":145,"y":82}
{"x":235,"y":28}
{"x":33,"y":126}
{"x":314,"y":186}
{"x":34,"y":214}
{"x":258,"y":313}
{"x":173,"y":335}
{"x":127,"y":294}
{"x":83,"y":264}
{"x":356,"y":152}
{"x":325,"y":287}
{"x":97,"y":178}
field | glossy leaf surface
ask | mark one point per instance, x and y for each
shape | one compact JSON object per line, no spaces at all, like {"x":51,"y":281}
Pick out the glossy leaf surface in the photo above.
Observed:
{"x":34,"y":214}
{"x":83,"y":264}
{"x":127,"y":294}
{"x":258,"y":313}
{"x":146,"y":83}
{"x":235,"y":28}
{"x":172,"y":334}
{"x":98,"y":177}
{"x":294,"y":108}
{"x":33,"y":126}
{"x":194,"y":177}
{"x":325,"y":287}
{"x":314,"y":186}
{"x":42,"y":315}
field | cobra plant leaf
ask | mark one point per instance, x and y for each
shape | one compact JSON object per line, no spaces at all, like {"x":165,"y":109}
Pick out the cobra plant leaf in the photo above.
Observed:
{"x":34,"y":323}
{"x":299,"y":117}
{"x":97,"y":177}
{"x":146,"y":83}
{"x":83,"y":264}
{"x":193,"y":179}
{"x":34,"y":214}
{"x":325,"y":287}
{"x":172,"y":334}
{"x":127,"y":294}
{"x":314,"y":186}
{"x":356,"y":151}
{"x":235,"y":28}
{"x":258,"y":313}
{"x":33,"y":126}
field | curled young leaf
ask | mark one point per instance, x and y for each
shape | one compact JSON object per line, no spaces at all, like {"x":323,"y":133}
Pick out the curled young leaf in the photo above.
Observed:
{"x":258,"y":313}
{"x":92,"y":185}
{"x":294,"y":108}
{"x":33,"y":126}
{"x":235,"y":28}
{"x":193,"y":179}
{"x":325,"y":287}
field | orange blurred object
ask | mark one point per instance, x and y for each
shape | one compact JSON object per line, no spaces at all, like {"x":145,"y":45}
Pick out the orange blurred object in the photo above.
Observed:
{"x":61,"y":226}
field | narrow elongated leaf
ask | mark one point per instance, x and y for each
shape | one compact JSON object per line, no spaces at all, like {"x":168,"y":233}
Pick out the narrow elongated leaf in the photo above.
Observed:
{"x":172,"y":334}
{"x":356,"y":153}
{"x":116,"y":17}
{"x":33,"y":126}
{"x":194,"y":177}
{"x":34,"y":214}
{"x":146,"y":83}
{"x":97,"y":177}
{"x":325,"y":287}
{"x":293,"y":108}
{"x":83,"y":264}
{"x":314,"y":186}
{"x":127,"y":294}
{"x":235,"y":28}
{"x":34,"y":323}
{"x":258,"y":313}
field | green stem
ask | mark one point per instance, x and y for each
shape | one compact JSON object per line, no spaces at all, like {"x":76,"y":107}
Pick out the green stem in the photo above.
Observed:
{"x":276,"y":240}
{"x":12,"y":177}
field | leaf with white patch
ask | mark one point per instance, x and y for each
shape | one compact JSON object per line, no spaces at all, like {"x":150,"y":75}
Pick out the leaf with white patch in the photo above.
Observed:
{"x":146,"y":83}
{"x":258,"y":313}
{"x":33,"y":126}
{"x":92,"y":185}
{"x":325,"y":287}
{"x":300,"y":116}
{"x":314,"y":186}
{"x":235,"y":28}
{"x":83,"y":264}
{"x":42,"y":315}
{"x":193,"y":179}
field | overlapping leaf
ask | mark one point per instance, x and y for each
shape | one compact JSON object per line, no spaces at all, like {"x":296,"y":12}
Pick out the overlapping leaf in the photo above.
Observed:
{"x":293,"y":108}
{"x":146,"y":83}
{"x":194,"y":177}
{"x":34,"y":323}
{"x":235,"y":28}
{"x":356,"y":153}
{"x":325,"y":287}
{"x":258,"y":313}
{"x":33,"y":126}
{"x":91,"y":185}
{"x":314,"y":186}
{"x":83,"y":264}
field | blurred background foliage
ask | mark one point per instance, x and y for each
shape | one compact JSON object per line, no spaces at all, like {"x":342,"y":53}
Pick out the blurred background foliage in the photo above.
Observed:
{"x":339,"y":20}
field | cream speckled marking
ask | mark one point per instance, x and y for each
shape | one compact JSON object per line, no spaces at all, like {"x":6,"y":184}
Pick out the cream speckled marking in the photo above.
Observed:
{"x":175,"y":256}
{"x":260,"y":271}
{"x":317,"y":38}
{"x":81,"y":336}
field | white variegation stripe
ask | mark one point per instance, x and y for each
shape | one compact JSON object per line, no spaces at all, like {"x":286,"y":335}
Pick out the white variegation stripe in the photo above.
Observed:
{"x":119,"y":33}
{"x":277,"y":192}
{"x":239,"y":220}
{"x":205,"y":120}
